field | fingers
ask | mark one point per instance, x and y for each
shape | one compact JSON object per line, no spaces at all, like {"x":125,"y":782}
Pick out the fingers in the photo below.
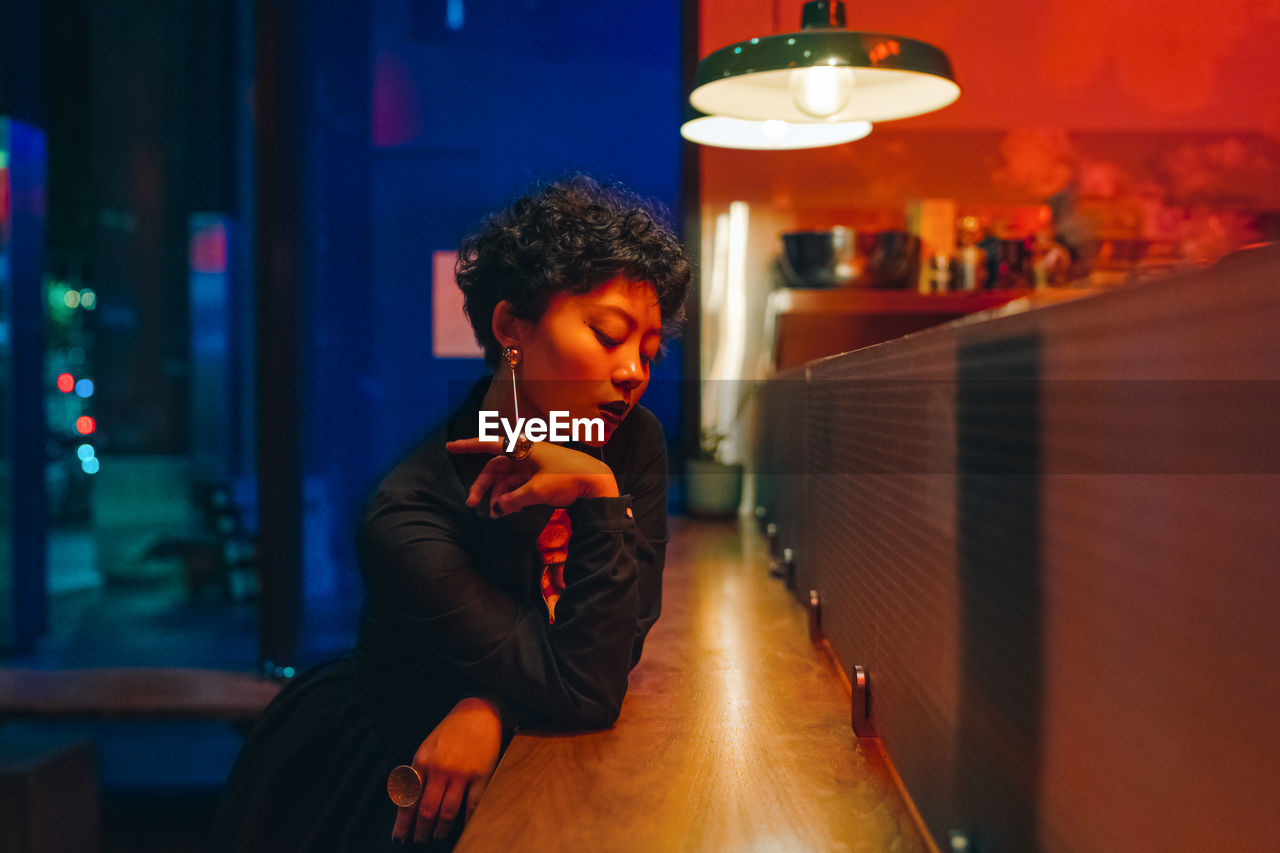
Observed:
{"x":474,"y":792}
{"x":504,"y":484}
{"x":475,"y":445}
{"x":495,"y":468}
{"x":439,"y":807}
{"x":429,"y":805}
{"x":515,"y":500}
{"x":449,"y":808}
{"x":404,"y":822}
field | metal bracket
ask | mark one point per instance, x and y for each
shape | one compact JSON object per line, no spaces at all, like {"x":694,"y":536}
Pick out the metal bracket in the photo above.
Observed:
{"x":815,"y":617}
{"x":862,"y":726}
{"x":775,"y":562}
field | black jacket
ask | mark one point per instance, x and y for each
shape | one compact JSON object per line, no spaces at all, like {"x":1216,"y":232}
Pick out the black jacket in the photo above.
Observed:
{"x":453,"y":596}
{"x":453,"y":609}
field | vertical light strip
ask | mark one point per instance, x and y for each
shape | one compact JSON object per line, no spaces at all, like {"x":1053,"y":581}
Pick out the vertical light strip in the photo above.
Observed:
{"x":713,"y":297}
{"x":735,"y":314}
{"x":733,"y":326}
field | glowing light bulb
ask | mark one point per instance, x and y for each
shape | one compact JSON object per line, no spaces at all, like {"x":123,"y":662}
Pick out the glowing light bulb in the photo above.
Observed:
{"x":821,"y":91}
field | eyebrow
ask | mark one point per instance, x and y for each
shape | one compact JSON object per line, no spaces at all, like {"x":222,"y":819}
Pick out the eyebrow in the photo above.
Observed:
{"x":630,"y":320}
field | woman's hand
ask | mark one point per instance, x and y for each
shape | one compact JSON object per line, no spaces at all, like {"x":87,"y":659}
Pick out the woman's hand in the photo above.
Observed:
{"x":551,"y":474}
{"x":455,"y":761}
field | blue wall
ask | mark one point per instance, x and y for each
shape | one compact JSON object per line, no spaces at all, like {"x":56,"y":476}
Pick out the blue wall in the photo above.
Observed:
{"x":456,"y":122}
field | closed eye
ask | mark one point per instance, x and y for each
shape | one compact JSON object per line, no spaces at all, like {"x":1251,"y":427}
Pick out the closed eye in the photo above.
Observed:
{"x":605,"y":340}
{"x":611,"y":343}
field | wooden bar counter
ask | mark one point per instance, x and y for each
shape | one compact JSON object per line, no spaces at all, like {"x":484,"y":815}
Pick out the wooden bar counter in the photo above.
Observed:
{"x":735,"y":734}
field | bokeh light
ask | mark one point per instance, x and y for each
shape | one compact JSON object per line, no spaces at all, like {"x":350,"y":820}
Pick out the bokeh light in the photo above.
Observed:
{"x":66,"y":383}
{"x":85,"y":425}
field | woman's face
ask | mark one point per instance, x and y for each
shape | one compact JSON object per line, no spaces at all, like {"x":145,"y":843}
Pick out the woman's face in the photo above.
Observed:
{"x":589,"y":355}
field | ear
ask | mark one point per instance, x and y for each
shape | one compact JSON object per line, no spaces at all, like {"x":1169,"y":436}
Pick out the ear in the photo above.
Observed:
{"x":508,"y":329}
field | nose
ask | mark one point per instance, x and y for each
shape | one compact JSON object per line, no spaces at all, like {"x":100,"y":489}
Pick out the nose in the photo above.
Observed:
{"x":629,"y":374}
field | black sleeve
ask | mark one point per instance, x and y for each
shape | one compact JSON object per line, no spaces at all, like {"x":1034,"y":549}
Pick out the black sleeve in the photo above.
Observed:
{"x":649,"y":506}
{"x":649,"y":503}
{"x":571,"y":673}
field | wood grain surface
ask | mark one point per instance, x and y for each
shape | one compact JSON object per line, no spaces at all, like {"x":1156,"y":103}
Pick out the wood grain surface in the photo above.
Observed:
{"x":735,"y":735}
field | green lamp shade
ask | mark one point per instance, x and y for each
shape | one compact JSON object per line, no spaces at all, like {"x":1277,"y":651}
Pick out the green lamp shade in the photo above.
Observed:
{"x":824,"y":75}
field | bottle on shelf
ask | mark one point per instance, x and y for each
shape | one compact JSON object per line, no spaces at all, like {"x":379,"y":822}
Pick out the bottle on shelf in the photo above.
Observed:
{"x":1050,"y":260}
{"x":971,"y":260}
{"x":932,"y":221}
{"x":940,"y":273}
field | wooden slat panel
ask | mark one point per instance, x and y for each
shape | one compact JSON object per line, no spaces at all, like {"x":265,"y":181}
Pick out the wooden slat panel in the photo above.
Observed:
{"x":880,"y":518}
{"x":779,"y":459}
{"x":1082,"y":655}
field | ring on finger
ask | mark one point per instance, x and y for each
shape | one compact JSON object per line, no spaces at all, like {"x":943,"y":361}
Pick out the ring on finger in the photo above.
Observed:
{"x":404,"y":786}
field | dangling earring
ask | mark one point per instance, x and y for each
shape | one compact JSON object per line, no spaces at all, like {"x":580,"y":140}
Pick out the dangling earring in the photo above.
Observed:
{"x":511,"y":355}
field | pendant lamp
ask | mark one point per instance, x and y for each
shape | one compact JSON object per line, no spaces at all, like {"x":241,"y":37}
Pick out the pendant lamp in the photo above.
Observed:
{"x":771,"y":135}
{"x":824,"y":74}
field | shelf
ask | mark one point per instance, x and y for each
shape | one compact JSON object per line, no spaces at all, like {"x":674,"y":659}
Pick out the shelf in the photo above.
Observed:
{"x":856,"y":300}
{"x":806,"y":324}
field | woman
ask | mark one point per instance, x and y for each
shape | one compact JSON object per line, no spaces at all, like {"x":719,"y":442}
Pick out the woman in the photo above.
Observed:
{"x":508,"y":582}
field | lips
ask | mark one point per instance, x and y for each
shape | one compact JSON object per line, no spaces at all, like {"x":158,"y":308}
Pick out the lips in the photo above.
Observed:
{"x":614,"y":412}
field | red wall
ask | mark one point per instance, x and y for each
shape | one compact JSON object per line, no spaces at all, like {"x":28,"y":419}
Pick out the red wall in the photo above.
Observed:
{"x":1165,"y":118}
{"x":1080,"y":64}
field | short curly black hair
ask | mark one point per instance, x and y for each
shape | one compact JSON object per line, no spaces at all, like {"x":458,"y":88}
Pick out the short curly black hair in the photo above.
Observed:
{"x":571,"y":234}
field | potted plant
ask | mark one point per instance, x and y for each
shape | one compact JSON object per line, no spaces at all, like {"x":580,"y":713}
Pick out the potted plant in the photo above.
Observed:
{"x":714,"y":487}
